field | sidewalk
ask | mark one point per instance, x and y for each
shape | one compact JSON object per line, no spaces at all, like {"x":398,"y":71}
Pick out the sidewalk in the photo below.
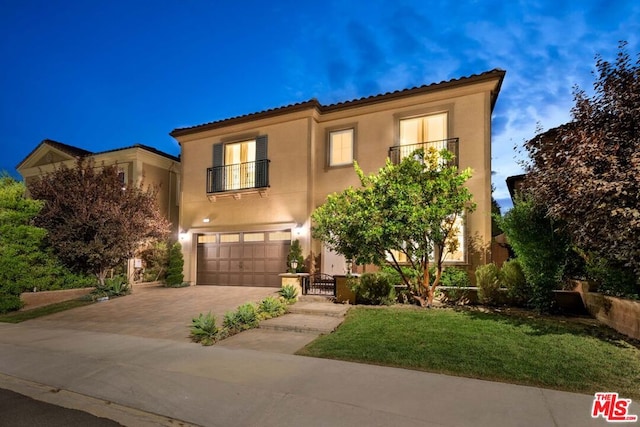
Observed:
{"x":219,"y":386}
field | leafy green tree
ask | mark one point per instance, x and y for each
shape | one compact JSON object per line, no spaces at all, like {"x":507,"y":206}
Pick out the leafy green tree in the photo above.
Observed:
{"x":411,"y":209}
{"x":176,"y":265}
{"x":541,"y":249}
{"x":25,"y":260}
{"x":95,"y":223}
{"x":586,"y":172}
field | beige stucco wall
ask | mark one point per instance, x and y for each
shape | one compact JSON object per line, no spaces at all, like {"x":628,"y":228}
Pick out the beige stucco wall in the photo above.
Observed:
{"x":300,"y":179}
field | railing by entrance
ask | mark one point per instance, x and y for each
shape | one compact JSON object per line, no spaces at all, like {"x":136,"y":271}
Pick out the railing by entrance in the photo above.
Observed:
{"x":399,"y":152}
{"x":319,"y":284}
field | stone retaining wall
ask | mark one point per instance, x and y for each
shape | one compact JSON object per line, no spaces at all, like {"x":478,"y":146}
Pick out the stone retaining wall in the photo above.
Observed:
{"x":621,"y":314}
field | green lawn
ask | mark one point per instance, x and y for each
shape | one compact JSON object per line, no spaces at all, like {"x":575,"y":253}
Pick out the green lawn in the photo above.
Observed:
{"x":521,"y":349}
{"x":21,"y":316}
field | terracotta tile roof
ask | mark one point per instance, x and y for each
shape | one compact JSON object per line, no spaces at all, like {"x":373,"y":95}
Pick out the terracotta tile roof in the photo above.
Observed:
{"x":143,"y":147}
{"x":81,"y":152}
{"x":314,"y":103}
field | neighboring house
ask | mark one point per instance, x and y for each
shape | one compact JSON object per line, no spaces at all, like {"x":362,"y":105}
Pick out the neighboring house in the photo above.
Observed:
{"x":137,"y":163}
{"x":250,"y":183}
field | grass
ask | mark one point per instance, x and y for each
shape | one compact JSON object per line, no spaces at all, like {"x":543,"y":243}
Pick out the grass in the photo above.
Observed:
{"x":521,"y":349}
{"x":21,"y":316}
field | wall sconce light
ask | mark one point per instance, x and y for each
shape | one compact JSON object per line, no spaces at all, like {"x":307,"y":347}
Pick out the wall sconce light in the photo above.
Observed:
{"x":297,"y":231}
{"x":182,"y":235}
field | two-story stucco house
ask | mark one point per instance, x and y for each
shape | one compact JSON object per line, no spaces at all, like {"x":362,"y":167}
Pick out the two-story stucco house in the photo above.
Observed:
{"x":137,"y":163}
{"x":250,"y":183}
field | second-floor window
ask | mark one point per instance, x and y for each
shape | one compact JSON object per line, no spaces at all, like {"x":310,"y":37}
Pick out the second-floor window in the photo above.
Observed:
{"x":341,"y":147}
{"x":239,"y":165}
{"x":418,"y":130}
{"x":240,"y":160}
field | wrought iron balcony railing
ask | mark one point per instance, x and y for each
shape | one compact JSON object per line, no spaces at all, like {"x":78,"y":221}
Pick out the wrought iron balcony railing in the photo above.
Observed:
{"x":241,"y":176}
{"x":399,"y":152}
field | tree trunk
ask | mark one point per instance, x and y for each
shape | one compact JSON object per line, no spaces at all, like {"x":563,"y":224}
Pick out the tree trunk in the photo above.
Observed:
{"x":431,"y":290}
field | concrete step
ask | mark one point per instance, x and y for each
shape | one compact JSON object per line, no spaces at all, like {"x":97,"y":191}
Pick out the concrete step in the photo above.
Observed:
{"x":319,"y":308}
{"x":315,"y":298}
{"x":293,"y":322}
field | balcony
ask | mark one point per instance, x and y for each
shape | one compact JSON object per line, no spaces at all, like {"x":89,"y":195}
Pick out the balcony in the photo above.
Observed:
{"x":399,"y":152}
{"x":237,"y":177}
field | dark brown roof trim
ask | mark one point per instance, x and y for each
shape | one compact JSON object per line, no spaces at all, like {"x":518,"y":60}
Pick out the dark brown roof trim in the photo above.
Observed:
{"x":314,"y":103}
{"x":144,"y":147}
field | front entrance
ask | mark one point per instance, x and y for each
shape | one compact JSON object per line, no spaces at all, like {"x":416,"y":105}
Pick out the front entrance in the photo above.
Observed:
{"x":243,"y":258}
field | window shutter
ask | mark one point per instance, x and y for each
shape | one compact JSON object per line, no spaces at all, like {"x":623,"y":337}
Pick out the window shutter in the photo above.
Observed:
{"x":218,"y":159}
{"x":218,"y":168}
{"x":262,"y":162}
{"x":261,"y":147}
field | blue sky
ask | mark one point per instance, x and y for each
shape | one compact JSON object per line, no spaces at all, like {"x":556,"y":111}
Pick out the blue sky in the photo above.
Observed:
{"x":107,"y":74}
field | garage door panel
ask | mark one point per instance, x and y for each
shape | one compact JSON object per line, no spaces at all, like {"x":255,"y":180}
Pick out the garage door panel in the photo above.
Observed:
{"x":238,"y":263}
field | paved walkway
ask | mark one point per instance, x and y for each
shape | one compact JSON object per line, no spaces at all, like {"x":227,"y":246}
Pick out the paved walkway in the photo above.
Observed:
{"x":137,"y":380}
{"x":153,"y":311}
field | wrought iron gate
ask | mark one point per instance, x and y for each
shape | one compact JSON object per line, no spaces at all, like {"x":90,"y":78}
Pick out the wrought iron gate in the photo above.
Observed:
{"x":319,"y":284}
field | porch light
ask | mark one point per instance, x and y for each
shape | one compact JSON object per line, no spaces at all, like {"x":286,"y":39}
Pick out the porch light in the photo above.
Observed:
{"x":206,"y":220}
{"x":294,"y":265}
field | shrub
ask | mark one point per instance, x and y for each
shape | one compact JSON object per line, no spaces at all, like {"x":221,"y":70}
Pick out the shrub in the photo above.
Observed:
{"x":512,"y":277}
{"x":271,"y":307}
{"x":204,"y":329}
{"x":456,"y":278}
{"x":245,"y":317}
{"x":176,"y":265}
{"x":9,"y":302}
{"x":488,"y":283}
{"x":289,"y":293}
{"x":541,"y":248}
{"x":614,"y":279}
{"x":113,"y":287}
{"x":375,"y":289}
{"x":156,"y":260}
{"x":295,"y":254}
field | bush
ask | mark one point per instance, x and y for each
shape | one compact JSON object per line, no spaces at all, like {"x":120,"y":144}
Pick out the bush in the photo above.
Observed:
{"x":176,"y":265}
{"x":245,"y":317}
{"x":512,"y":277}
{"x":488,"y":283}
{"x":9,"y":302}
{"x":455,"y":277}
{"x":295,"y":254}
{"x":614,"y":279}
{"x":542,"y":250}
{"x":375,"y":289}
{"x":204,"y":329}
{"x":271,"y":307}
{"x":113,"y":287}
{"x":289,"y":293}
{"x":156,"y":260}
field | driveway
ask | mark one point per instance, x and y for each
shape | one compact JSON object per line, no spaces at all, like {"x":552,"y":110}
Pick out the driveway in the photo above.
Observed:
{"x":153,"y":311}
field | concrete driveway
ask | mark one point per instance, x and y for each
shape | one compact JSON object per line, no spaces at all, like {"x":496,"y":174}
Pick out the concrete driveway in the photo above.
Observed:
{"x":153,"y":311}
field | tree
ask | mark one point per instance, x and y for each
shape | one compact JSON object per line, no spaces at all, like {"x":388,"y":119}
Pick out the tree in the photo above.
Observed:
{"x":410,"y":210}
{"x":586,"y":172}
{"x":25,"y":260}
{"x":176,"y":265}
{"x":541,"y":249}
{"x":295,"y":254}
{"x":94,"y":222}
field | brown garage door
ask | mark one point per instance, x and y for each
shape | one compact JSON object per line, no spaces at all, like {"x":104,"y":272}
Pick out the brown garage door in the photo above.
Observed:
{"x":243,"y":259}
